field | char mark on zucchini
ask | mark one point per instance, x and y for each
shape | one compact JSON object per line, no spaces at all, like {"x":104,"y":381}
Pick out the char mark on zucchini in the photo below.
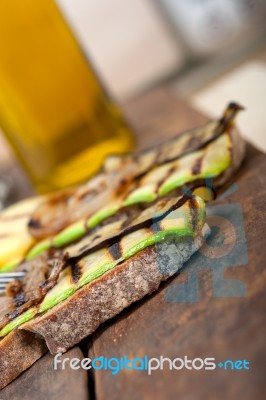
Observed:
{"x":76,"y":270}
{"x":115,"y":250}
{"x":196,"y":167}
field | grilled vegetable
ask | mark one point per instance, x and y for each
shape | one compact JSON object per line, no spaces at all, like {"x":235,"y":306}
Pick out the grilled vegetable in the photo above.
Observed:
{"x":15,"y":240}
{"x":68,"y":206}
{"x":94,"y":256}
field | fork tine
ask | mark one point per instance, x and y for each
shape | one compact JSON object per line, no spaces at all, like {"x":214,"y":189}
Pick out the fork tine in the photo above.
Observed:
{"x":5,"y":278}
{"x":6,"y":281}
{"x":17,"y":274}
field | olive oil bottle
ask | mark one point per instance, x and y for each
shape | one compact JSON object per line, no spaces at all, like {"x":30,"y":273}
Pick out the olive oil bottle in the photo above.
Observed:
{"x":54,"y":112}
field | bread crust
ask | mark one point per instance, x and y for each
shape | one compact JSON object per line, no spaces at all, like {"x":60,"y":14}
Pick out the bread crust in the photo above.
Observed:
{"x":78,"y":316}
{"x":18,"y":351}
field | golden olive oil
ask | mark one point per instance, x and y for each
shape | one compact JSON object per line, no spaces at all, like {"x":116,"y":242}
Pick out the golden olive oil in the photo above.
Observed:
{"x":53,"y":109}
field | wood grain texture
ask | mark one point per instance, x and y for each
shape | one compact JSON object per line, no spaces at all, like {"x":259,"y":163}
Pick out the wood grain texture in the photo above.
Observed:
{"x":42,"y":382}
{"x":224,"y":328}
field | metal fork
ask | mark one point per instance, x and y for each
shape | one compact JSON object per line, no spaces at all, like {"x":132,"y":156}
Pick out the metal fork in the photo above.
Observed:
{"x":6,"y":278}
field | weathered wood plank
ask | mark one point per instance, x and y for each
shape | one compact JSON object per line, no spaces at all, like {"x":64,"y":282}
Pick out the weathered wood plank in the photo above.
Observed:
{"x":43,"y":382}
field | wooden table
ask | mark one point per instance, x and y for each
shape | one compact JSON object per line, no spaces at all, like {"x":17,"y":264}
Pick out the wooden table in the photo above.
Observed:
{"x":205,"y":325}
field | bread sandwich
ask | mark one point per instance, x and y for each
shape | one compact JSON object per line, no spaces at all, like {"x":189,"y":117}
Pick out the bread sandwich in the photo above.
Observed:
{"x":89,"y":252}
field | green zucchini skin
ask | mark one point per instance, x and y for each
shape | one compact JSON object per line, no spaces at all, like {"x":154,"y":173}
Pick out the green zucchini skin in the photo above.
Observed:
{"x":184,"y":221}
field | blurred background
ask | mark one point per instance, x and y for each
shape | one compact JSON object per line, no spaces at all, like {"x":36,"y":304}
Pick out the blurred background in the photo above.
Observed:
{"x":138,"y":43}
{"x":209,"y":51}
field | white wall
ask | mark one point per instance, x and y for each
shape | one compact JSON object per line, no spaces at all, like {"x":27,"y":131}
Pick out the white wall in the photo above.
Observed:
{"x":128,"y":40}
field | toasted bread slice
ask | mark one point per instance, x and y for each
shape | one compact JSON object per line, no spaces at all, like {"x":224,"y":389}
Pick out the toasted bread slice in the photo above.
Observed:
{"x":78,"y":316}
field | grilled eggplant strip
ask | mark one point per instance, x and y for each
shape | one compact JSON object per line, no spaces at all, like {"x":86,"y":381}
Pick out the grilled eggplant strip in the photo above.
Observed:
{"x":177,"y":221}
